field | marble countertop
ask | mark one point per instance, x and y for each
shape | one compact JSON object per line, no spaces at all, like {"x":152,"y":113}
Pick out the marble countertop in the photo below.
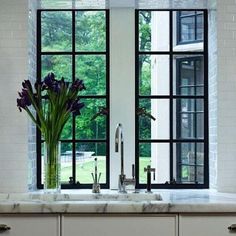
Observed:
{"x":109,"y":201}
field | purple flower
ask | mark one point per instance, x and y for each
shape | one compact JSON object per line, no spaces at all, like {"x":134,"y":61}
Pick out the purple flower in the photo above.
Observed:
{"x":48,"y":81}
{"x":57,"y":93}
{"x":24,"y":99}
{"x":75,"y":106}
{"x":77,"y":85}
{"x":27,"y":85}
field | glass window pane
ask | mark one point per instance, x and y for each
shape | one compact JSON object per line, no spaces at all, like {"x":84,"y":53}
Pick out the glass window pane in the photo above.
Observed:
{"x":56,"y":28}
{"x":199,"y":71}
{"x":154,"y":75}
{"x":200,"y":27}
{"x":66,"y":162}
{"x":189,"y":159}
{"x":92,"y":69}
{"x":154,"y":129}
{"x":154,"y":30}
{"x":185,"y":13}
{"x":157,"y":156}
{"x":67,"y":130}
{"x":85,"y":154}
{"x":86,"y":128}
{"x":188,"y":78}
{"x":188,"y":120}
{"x":90,"y":31}
{"x":61,"y":66}
{"x":185,"y":77}
{"x":187,"y":29}
{"x":190,"y":30}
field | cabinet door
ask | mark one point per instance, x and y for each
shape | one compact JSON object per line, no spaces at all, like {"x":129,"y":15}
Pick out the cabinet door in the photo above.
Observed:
{"x":30,"y":225}
{"x":119,"y":225}
{"x":204,"y":225}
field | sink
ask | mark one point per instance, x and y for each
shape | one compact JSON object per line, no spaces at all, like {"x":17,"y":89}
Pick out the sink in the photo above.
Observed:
{"x":111,"y":197}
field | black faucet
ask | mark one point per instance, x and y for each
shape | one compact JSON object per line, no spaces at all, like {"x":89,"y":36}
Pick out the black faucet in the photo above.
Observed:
{"x":149,"y":170}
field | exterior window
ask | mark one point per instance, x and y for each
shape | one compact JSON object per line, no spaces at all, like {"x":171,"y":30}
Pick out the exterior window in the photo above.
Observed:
{"x":74,"y":44}
{"x":190,"y":120}
{"x":171,"y":101}
{"x":190,"y":26}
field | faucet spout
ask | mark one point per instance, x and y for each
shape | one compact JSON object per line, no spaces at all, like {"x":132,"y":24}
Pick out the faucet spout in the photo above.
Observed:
{"x":119,"y":139}
{"x":119,"y":144}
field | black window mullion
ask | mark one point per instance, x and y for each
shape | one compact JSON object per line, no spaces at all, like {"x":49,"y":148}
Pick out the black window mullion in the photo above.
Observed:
{"x":84,"y":140}
{"x":39,"y":75}
{"x":73,"y":118}
{"x":93,"y":96}
{"x":174,"y":97}
{"x":74,"y":52}
{"x":183,"y":140}
{"x":168,"y":52}
{"x":171,"y":94}
{"x":137,"y":96}
{"x":206,"y":101}
{"x":195,"y":119}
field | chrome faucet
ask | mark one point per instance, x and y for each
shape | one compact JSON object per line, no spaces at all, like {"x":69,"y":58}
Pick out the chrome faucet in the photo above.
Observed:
{"x":96,"y":178}
{"x":149,"y":170}
{"x":123,"y":181}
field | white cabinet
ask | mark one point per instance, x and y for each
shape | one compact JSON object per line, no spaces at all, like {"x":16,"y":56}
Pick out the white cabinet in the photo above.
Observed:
{"x":30,"y":225}
{"x":107,"y":225}
{"x":118,"y":225}
{"x":206,"y":225}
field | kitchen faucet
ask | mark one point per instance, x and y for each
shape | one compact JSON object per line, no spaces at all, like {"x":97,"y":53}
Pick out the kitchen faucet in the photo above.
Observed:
{"x":123,"y":181}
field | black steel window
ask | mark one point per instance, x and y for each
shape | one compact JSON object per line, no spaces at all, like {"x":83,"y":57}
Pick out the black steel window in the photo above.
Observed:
{"x":189,"y":26}
{"x":171,"y":103}
{"x":75,"y":44}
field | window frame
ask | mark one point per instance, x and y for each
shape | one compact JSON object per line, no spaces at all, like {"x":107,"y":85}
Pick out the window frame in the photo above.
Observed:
{"x":178,"y":27}
{"x":73,"y":54}
{"x":171,"y":184}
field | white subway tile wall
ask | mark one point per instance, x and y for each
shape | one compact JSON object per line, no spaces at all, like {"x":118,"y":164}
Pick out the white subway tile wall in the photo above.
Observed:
{"x":33,"y":5}
{"x":13,"y":69}
{"x":226,"y":88}
{"x":212,"y":98}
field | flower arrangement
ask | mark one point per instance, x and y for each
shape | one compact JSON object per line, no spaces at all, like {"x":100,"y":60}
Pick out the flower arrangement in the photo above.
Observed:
{"x":60,"y":101}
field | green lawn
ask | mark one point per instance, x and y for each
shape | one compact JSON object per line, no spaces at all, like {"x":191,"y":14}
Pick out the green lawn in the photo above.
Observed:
{"x":85,"y":169}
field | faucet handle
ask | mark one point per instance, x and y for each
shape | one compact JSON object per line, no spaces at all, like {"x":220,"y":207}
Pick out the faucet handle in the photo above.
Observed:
{"x":133,"y":171}
{"x":148,"y":169}
{"x":99,"y":176}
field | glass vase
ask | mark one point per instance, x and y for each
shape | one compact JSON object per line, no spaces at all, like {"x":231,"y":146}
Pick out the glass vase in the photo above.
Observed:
{"x":52,"y":167}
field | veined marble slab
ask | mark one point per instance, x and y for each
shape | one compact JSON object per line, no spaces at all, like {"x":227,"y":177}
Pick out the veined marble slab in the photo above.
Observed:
{"x":83,"y":201}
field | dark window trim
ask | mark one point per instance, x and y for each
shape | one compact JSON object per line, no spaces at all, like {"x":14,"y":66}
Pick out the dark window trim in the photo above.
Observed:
{"x":73,"y":53}
{"x":178,"y":27}
{"x":172,"y":141}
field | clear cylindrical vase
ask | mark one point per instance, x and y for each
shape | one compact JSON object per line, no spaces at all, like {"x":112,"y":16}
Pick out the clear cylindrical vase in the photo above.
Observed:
{"x":52,"y":167}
